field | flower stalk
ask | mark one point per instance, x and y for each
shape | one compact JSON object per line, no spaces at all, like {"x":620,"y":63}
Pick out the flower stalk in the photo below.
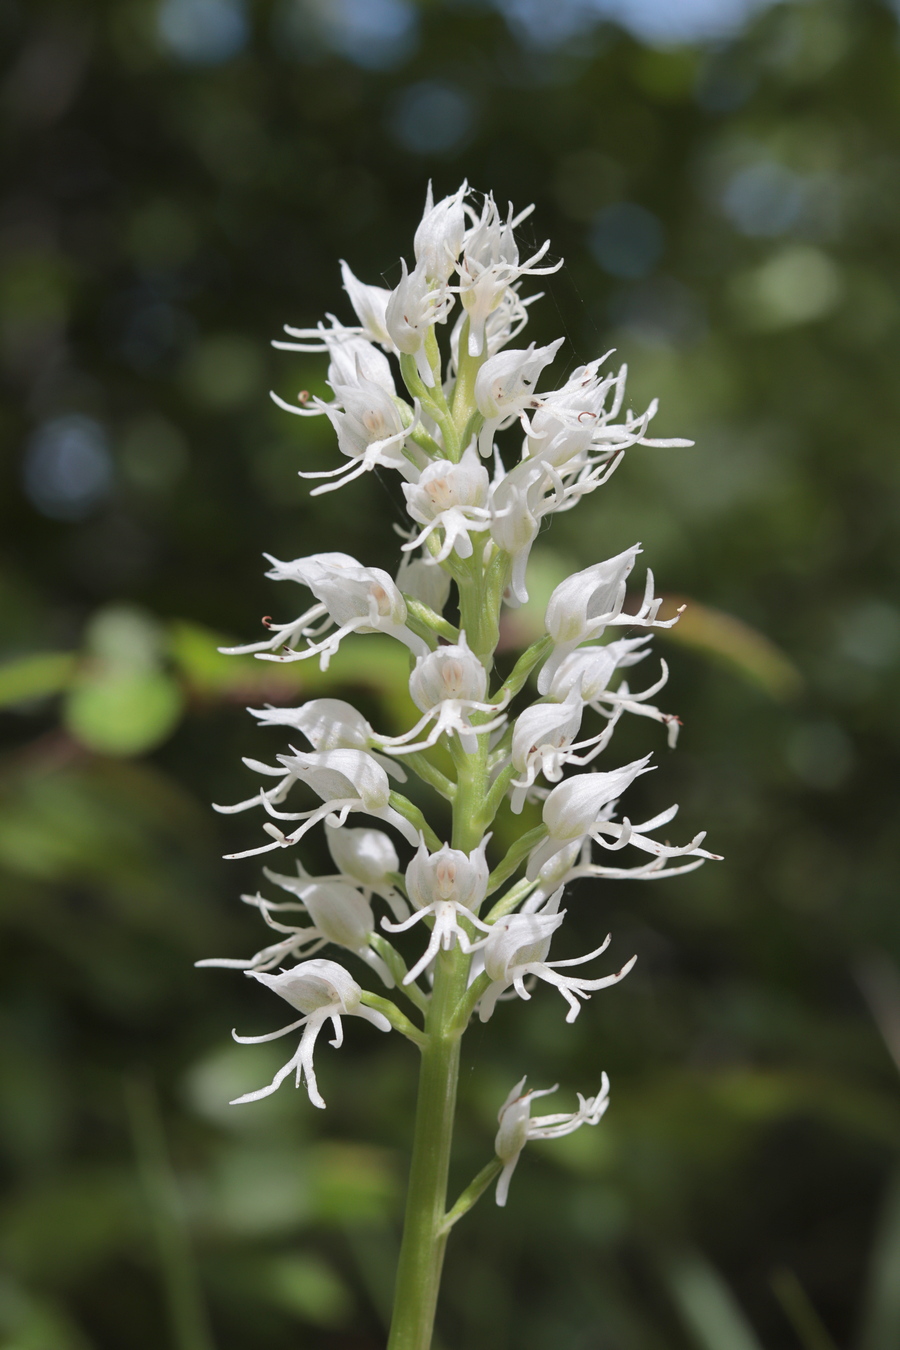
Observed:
{"x":474,"y":746}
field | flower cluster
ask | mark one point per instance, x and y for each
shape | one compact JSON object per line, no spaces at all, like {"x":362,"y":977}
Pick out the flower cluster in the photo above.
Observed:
{"x":524,"y":744}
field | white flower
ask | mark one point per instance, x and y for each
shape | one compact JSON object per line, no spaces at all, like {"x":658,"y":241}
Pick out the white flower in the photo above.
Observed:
{"x":439,"y":236}
{"x":444,"y":886}
{"x":502,"y":325}
{"x":573,"y":862}
{"x":415,"y":305}
{"x":517,"y":1127}
{"x":582,"y":605}
{"x":543,"y":741}
{"x":323,"y":991}
{"x":581,"y":808}
{"x":358,"y":599}
{"x":587,"y":602}
{"x":490,"y":266}
{"x":504,"y":388}
{"x":517,"y":506}
{"x":370,"y":432}
{"x":517,"y":946}
{"x":574,"y":422}
{"x":450,"y":497}
{"x":590,"y":669}
{"x":448,"y":684}
{"x":351,"y":358}
{"x":423,"y":579}
{"x":340,"y":913}
{"x":330,"y":724}
{"x":346,"y":780}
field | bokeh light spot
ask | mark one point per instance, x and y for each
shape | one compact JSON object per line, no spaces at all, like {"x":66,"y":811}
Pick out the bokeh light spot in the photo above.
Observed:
{"x":764,"y":199}
{"x":204,"y":32}
{"x":431,"y":117}
{"x":67,"y":469}
{"x":627,"y":240}
{"x":798,"y":284}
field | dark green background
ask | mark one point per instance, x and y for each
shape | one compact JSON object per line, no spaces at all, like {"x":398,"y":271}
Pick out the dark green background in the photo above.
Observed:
{"x":162,"y":215}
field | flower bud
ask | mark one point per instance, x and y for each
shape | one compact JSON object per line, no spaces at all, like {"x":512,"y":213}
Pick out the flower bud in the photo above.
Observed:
{"x":424,"y":580}
{"x":368,"y":856}
{"x":341,"y":913}
{"x":369,"y":303}
{"x":439,"y":236}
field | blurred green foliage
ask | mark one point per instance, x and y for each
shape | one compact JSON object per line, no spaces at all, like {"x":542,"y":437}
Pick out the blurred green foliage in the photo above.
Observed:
{"x":181,"y":178}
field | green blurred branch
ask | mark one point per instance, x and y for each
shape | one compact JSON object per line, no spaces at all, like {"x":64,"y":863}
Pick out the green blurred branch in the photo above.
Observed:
{"x":184,"y":1299}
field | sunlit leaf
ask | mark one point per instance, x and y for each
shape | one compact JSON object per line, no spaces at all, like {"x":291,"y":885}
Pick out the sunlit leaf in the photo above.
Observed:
{"x":745,"y":649}
{"x":122,"y":711}
{"x":34,"y":677}
{"x":307,"y":1287}
{"x":880,"y":1321}
{"x":707,"y":1306}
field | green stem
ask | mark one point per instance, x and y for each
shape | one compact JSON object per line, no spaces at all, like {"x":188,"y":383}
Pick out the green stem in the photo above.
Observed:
{"x":515,"y":857}
{"x":497,"y":792}
{"x":424,"y":1227}
{"x":427,"y":617}
{"x":398,"y":1020}
{"x":508,"y":902}
{"x":412,"y":813}
{"x":473,"y":1193}
{"x":424,"y":1238}
{"x":523,"y":668}
{"x":398,"y":968}
{"x":427,"y":771}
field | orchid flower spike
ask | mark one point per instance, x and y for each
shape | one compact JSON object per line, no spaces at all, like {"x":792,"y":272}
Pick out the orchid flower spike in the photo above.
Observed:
{"x":517,"y":1126}
{"x":445,"y":886}
{"x":517,"y":946}
{"x":322,"y":991}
